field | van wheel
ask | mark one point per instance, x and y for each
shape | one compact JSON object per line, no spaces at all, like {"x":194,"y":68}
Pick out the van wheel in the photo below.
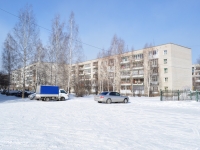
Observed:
{"x":62,"y":98}
{"x":47,"y":99}
{"x":109,"y":101}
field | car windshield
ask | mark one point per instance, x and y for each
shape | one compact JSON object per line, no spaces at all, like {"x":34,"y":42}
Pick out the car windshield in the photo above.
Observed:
{"x":104,"y":93}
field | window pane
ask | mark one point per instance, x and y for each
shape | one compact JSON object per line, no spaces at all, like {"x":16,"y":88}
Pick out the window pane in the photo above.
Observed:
{"x":165,"y":61}
{"x":165,"y":70}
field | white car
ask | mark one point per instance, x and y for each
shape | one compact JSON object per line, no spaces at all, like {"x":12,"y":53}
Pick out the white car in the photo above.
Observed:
{"x":32,"y":96}
{"x":111,"y":97}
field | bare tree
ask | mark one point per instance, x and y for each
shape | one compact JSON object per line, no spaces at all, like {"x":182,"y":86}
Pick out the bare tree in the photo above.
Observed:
{"x":132,"y":61}
{"x":26,"y":35}
{"x":9,"y":56}
{"x":40,"y":73}
{"x":151,"y":70}
{"x":56,"y":48}
{"x":111,"y":65}
{"x":74,"y":45}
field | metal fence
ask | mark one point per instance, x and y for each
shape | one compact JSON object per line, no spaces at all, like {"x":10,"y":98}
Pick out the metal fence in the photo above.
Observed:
{"x":179,"y":95}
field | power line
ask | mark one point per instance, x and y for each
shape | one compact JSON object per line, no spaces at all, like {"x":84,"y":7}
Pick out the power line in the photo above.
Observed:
{"x":51,"y":30}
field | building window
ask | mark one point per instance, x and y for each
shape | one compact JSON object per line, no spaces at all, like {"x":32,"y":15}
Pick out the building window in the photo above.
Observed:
{"x":166,"y":79}
{"x":138,"y":56}
{"x":165,"y":52}
{"x":155,"y":89}
{"x":166,"y":88}
{"x":154,"y":78}
{"x":165,"y":70}
{"x":165,"y":61}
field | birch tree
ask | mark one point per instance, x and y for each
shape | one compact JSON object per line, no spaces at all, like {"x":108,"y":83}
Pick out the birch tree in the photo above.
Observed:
{"x":151,"y":69}
{"x":9,"y":57}
{"x":56,"y":49}
{"x":74,"y":45}
{"x":132,"y":60}
{"x":26,"y":35}
{"x":117,"y":48}
{"x":41,"y":67}
{"x":111,"y":56}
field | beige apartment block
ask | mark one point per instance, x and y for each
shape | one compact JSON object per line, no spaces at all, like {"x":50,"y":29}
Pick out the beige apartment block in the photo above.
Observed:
{"x":196,"y":77}
{"x":139,"y":72}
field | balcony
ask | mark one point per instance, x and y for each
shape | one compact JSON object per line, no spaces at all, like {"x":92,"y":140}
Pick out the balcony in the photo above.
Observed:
{"x":125,"y":68}
{"x":154,"y":74}
{"x":111,"y":64}
{"x":137,"y":67}
{"x":196,"y":75}
{"x":198,"y":80}
{"x":138,"y":83}
{"x":138,"y":75}
{"x":154,"y":82}
{"x":95,"y":65}
{"x":86,"y":72}
{"x":124,"y":62}
{"x":125,"y":76}
{"x":154,"y":66}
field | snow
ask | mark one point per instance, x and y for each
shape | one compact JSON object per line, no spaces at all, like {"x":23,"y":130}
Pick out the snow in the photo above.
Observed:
{"x":82,"y":123}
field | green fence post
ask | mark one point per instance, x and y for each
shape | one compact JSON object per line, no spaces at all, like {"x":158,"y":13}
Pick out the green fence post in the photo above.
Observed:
{"x":178,"y":95}
{"x":160,"y":95}
{"x":190,"y":95}
{"x":196,"y":96}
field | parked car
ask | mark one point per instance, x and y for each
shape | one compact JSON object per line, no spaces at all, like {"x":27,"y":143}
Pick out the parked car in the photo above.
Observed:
{"x":4,"y":92}
{"x":111,"y":97}
{"x":32,"y":96}
{"x":26,"y":93}
{"x":11,"y":93}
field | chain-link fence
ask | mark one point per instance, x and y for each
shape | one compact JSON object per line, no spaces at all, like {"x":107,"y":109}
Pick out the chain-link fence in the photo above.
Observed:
{"x":179,"y":95}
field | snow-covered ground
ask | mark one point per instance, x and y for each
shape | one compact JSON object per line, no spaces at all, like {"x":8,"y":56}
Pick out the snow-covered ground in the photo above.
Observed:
{"x":81,"y":123}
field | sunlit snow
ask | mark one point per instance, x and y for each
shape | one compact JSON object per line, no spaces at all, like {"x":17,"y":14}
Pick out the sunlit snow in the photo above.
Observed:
{"x":82,"y":123}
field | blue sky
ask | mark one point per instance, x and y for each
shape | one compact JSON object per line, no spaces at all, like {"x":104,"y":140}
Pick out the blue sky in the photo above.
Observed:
{"x":135,"y":21}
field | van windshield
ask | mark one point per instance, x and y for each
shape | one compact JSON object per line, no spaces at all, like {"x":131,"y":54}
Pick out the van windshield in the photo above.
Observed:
{"x":63,"y":91}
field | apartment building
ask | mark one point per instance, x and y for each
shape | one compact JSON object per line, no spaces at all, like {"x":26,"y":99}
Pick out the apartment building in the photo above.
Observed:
{"x":30,"y":77}
{"x":36,"y":74}
{"x":139,"y":72}
{"x":196,"y":77}
{"x":144,"y":71}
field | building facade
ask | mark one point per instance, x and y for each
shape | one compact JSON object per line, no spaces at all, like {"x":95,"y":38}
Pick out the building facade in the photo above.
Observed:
{"x":139,"y":72}
{"x":144,"y":72}
{"x":196,"y":77}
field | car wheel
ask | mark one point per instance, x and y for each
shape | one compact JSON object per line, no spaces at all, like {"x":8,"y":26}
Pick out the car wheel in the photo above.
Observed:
{"x":109,"y":101}
{"x":125,"y":100}
{"x":62,"y":98}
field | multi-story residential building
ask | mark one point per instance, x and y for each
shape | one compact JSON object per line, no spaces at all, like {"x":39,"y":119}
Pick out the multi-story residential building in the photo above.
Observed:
{"x":144,"y":71}
{"x":196,"y":77}
{"x":36,"y":74}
